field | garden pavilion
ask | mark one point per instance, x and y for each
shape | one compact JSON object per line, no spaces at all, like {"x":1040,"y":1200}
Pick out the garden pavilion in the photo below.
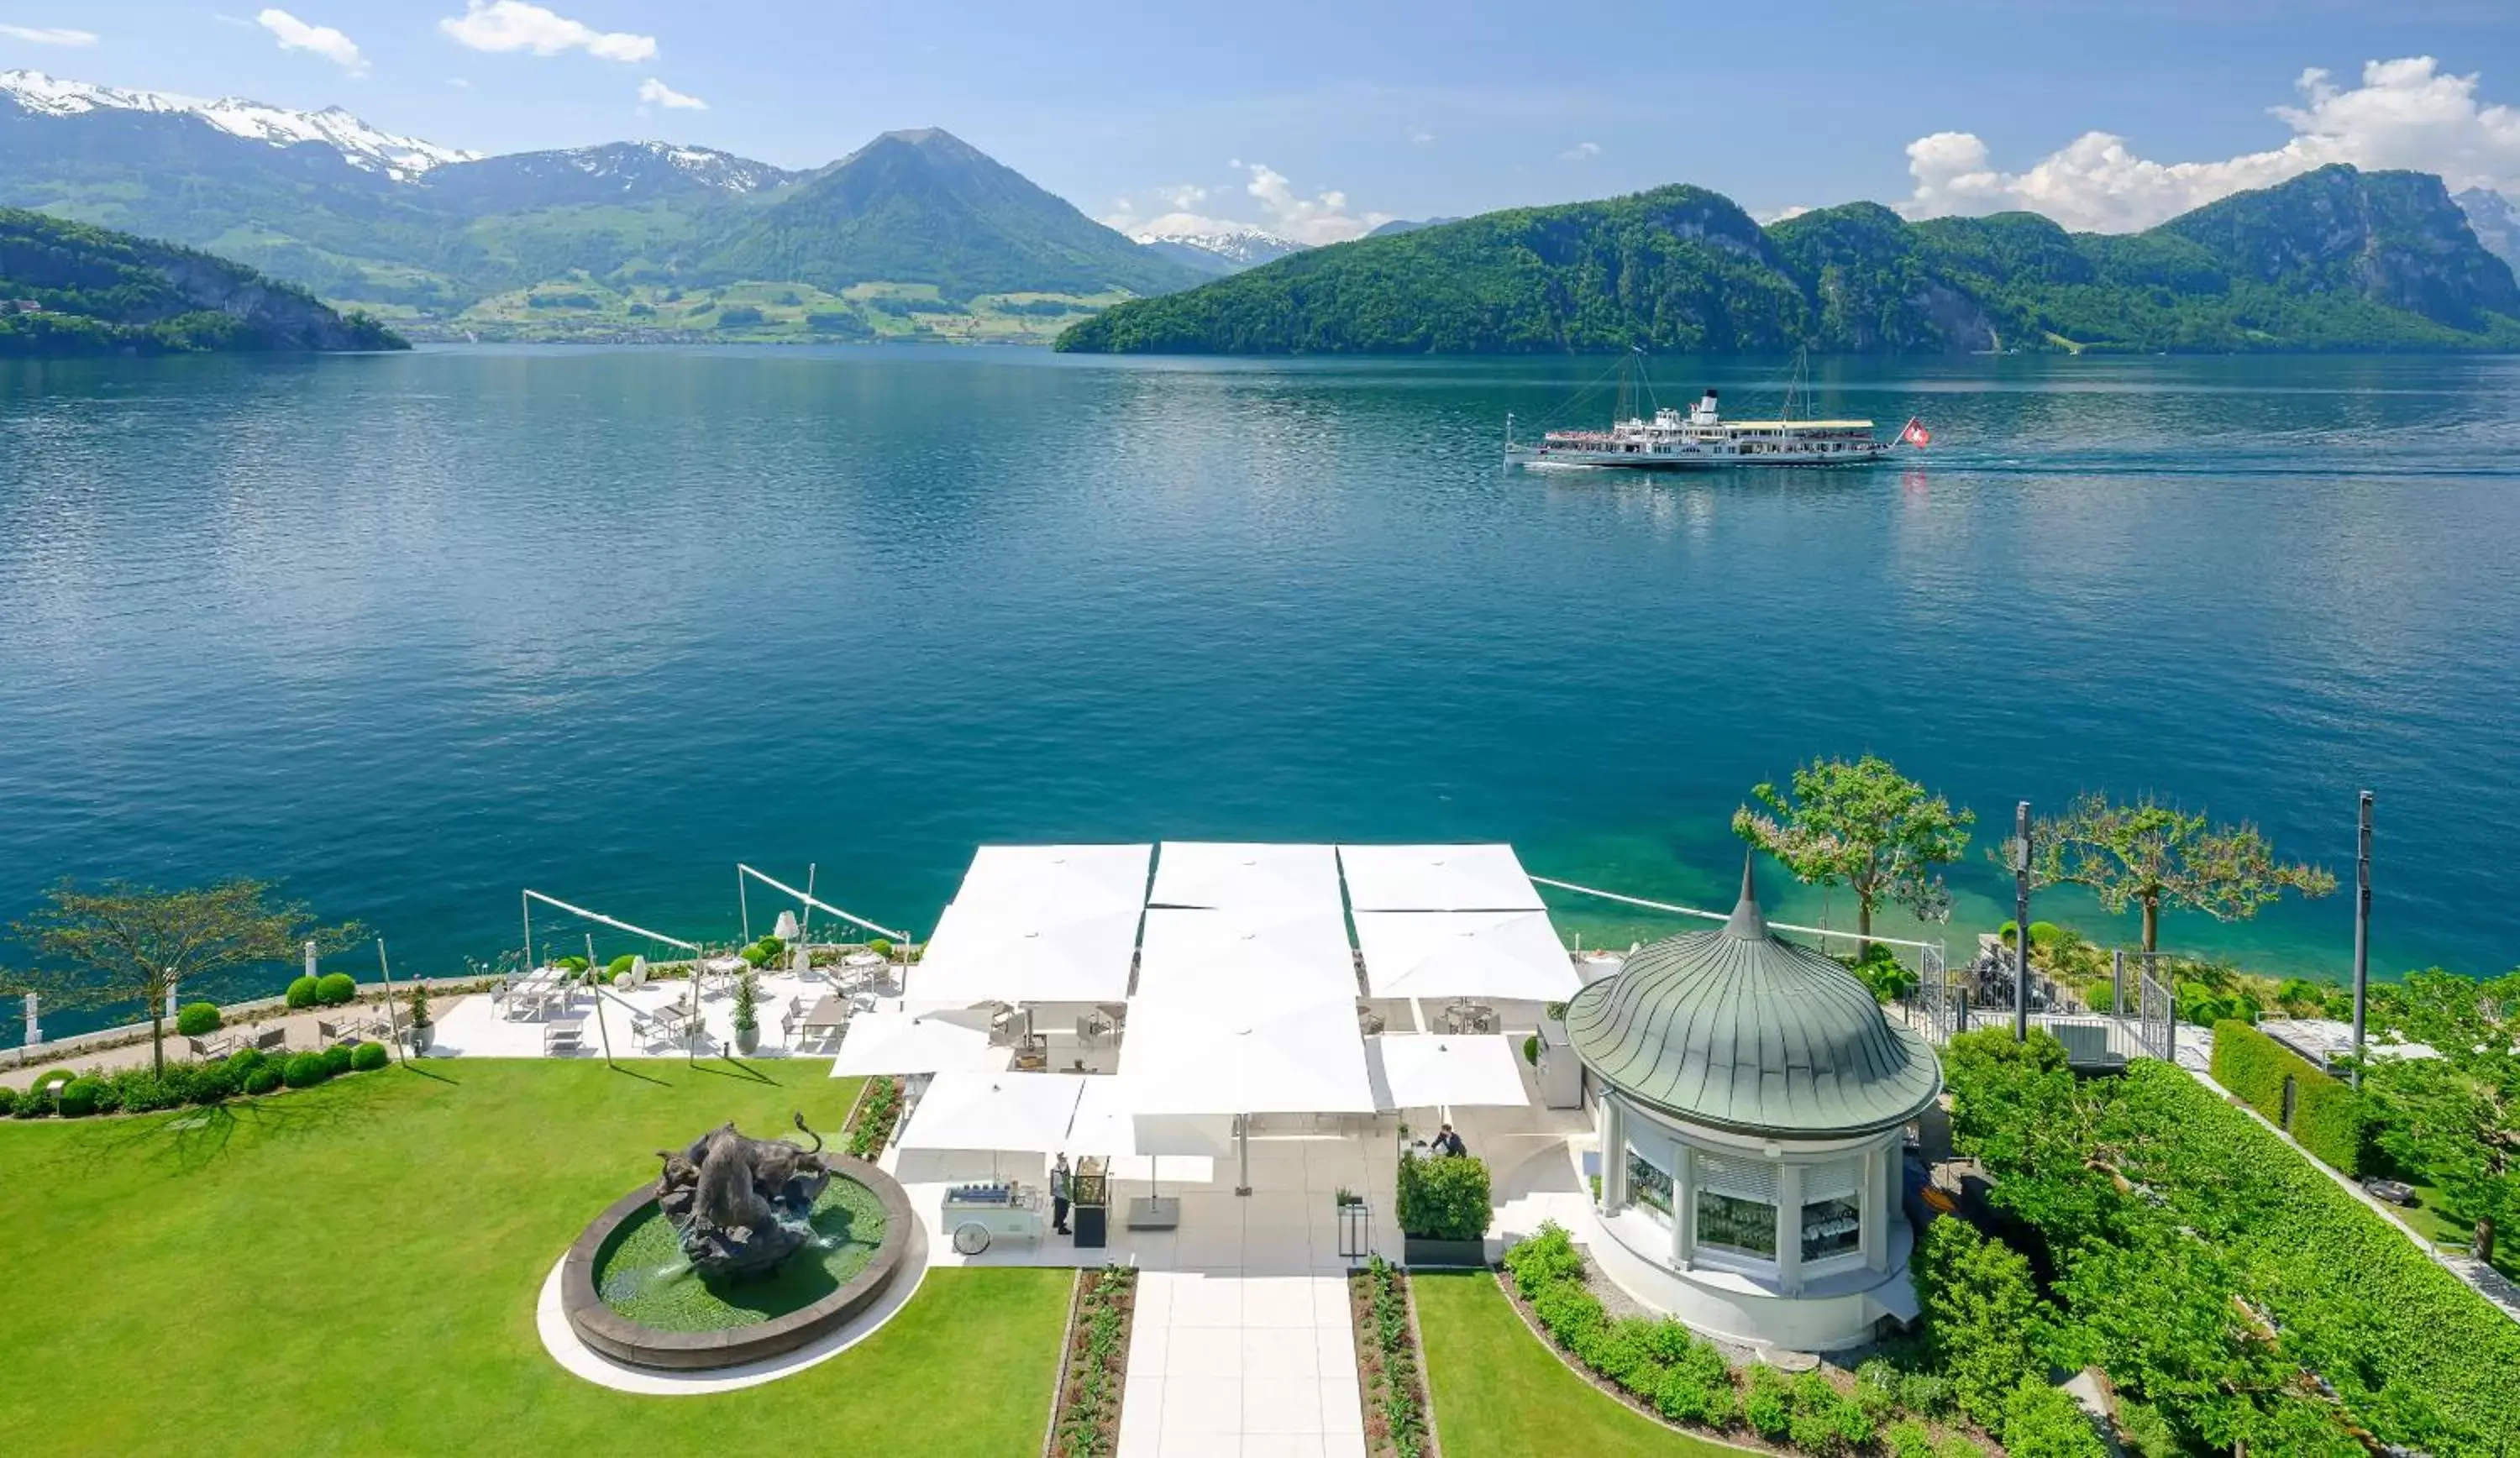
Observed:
{"x":1752,"y":1103}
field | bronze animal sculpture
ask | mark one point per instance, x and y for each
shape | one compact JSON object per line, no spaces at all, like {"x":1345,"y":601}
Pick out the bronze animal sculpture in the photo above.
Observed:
{"x":741,"y":1207}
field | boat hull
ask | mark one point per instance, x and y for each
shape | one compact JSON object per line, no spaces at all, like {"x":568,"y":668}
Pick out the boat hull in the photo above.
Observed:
{"x":1687,"y":461}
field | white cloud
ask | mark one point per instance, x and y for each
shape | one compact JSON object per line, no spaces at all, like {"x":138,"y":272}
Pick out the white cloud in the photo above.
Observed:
{"x":1780,"y":214}
{"x":656,"y":93}
{"x":1580,"y":151}
{"x":1326,"y":217}
{"x":515,"y":25}
{"x":49,"y":35}
{"x":1422,"y":137}
{"x":294,"y":34}
{"x":2405,"y":113}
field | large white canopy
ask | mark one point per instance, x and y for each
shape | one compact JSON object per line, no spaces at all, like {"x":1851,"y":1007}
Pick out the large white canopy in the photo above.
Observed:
{"x":1109,"y":1123}
{"x":1068,"y":880}
{"x":1222,"y":957}
{"x":1018,"y":1113}
{"x":1437,"y":878}
{"x":1465,"y":954}
{"x":989,"y":951}
{"x":1233,"y":875}
{"x":1431,"y":1069}
{"x":1256,"y":1056}
{"x":902,"y":1044}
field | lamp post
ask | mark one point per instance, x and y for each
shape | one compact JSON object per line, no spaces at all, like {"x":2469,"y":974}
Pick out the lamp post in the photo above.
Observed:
{"x":2021,"y":922}
{"x":2361,"y":926}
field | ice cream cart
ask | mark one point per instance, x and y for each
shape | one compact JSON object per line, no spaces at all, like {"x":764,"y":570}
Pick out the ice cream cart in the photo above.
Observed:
{"x":978,"y":1216}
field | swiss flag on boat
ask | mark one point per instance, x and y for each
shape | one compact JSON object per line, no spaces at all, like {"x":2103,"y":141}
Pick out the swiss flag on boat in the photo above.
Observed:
{"x":1916,"y":434}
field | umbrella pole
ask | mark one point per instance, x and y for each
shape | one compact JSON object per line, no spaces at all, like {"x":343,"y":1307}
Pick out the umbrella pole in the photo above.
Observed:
{"x":1242,"y":1139}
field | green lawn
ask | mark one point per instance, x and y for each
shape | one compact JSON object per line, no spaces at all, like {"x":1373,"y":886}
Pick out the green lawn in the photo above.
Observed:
{"x":1499,"y":1391}
{"x":354,"y":1268}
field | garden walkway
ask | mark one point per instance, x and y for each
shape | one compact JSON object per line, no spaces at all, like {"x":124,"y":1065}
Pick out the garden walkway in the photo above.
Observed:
{"x":1228,"y":1365}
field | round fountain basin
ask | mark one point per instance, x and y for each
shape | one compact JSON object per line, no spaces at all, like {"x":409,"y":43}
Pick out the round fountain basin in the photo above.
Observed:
{"x":629,"y":1295}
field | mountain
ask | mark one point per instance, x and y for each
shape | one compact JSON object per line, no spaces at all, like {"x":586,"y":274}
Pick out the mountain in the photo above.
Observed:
{"x":1398,"y":226}
{"x":2333,"y":259}
{"x":924,"y":206}
{"x":2495,"y":220}
{"x":359,"y":143}
{"x":616,"y":173}
{"x":69,"y":288}
{"x":1228,"y":252}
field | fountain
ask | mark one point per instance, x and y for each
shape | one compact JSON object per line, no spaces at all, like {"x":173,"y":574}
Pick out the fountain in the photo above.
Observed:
{"x":741,"y":1249}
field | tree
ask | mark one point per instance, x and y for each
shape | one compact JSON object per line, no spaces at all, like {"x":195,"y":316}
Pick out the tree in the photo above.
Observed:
{"x":1863,"y":825}
{"x":2455,"y":1120}
{"x":123,"y":942}
{"x":2149,"y":854}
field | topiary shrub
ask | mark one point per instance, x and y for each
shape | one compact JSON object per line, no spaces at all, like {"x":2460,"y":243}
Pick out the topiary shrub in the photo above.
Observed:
{"x":301,"y":992}
{"x":368,"y":1057}
{"x":335,"y":988}
{"x":51,"y":1078}
{"x":619,"y":965}
{"x":336,"y":1060}
{"x":1531,"y":1049}
{"x":305,"y":1070}
{"x":263,"y":1078}
{"x":78,"y":1097}
{"x":1444,"y":1197}
{"x":195,"y":1019}
{"x":881,"y":946}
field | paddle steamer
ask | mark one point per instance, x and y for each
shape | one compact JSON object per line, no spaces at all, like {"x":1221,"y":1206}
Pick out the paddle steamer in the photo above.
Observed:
{"x":1700,"y":437}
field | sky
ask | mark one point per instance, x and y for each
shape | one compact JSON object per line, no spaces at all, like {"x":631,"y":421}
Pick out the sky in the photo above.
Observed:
{"x":1319,"y":120}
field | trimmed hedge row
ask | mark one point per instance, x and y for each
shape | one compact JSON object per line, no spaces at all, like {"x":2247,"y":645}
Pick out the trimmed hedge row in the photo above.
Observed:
{"x":2329,"y":1119}
{"x":1442,"y":1197}
{"x":144,"y":1089}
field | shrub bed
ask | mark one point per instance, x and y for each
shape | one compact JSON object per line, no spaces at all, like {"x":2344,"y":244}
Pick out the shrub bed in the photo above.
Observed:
{"x":1389,"y":1374}
{"x":2328,"y":1117}
{"x":871,"y":1127}
{"x":1088,"y":1421}
{"x":1442,"y":1197}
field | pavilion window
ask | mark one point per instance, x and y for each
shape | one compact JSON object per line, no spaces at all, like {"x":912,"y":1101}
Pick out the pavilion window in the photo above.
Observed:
{"x":1833,"y":1214}
{"x":1650,"y":1185}
{"x":1736,"y":1207}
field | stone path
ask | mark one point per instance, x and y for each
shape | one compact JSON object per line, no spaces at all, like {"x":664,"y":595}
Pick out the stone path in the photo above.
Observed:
{"x":1227,"y":1365}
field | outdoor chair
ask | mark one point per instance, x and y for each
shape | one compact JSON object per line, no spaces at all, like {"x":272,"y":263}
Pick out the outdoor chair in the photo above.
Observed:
{"x":333,"y":1033}
{"x":214,"y":1046}
{"x":269,"y":1038}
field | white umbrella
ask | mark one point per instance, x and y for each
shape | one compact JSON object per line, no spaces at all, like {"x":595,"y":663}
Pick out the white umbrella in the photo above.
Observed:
{"x":903,"y":1044}
{"x":1024,"y":1112}
{"x":1106,"y":1124}
{"x":1078,"y":880}
{"x":1221,"y":874}
{"x":1437,"y":878}
{"x":1185,"y":1056}
{"x":1225,"y":957}
{"x":1437,"y":1070}
{"x":986,"y":951}
{"x":1465,"y":954}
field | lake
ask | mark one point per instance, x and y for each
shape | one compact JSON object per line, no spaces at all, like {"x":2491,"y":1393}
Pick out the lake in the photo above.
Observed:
{"x":412,"y":632}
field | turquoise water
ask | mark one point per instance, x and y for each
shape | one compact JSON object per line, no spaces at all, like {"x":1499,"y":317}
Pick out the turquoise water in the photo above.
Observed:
{"x":413,"y":632}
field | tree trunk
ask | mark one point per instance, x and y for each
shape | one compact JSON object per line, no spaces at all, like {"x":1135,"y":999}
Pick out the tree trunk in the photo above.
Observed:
{"x":1862,"y":926}
{"x":2484,"y":1239}
{"x":157,"y":1036}
{"x":2153,"y":922}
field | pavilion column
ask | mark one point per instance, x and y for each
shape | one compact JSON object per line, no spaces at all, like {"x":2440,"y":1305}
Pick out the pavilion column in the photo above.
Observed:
{"x":1684,"y":1206}
{"x":1875,"y":1216}
{"x":1614,"y":1156}
{"x":1789,"y":1228}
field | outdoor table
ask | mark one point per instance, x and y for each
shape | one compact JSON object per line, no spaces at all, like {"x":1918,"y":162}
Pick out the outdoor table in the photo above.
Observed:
{"x":975,"y":1216}
{"x":829,"y":1015}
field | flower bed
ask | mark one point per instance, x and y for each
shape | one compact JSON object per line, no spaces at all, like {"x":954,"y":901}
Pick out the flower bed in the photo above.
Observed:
{"x":1387,"y":1367}
{"x":1087,"y":1423}
{"x":870,"y":1126}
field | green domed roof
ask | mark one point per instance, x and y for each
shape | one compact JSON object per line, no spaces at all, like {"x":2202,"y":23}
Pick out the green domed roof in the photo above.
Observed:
{"x":1740,"y":1031}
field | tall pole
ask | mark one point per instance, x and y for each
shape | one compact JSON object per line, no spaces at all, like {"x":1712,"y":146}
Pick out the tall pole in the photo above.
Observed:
{"x":744,"y":906}
{"x":806,"y":923}
{"x":2361,"y":927}
{"x":2021,"y":923}
{"x":527,"y":903}
{"x":393,"y":1029}
{"x":596,"y":982}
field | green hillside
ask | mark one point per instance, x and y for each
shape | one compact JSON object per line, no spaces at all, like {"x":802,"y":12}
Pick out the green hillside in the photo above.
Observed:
{"x":2335,"y":259}
{"x":70,"y":289}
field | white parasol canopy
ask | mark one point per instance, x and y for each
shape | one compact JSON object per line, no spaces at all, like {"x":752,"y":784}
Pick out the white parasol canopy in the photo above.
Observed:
{"x":903,"y":1044}
{"x":1109,"y":1123}
{"x":1437,"y":878}
{"x":1465,"y":954}
{"x":997,"y":1112}
{"x":1238,"y":874}
{"x":987,"y":952}
{"x":1221,"y":957}
{"x":1255,"y":1055}
{"x":1072,"y":880}
{"x":1433,"y":1069}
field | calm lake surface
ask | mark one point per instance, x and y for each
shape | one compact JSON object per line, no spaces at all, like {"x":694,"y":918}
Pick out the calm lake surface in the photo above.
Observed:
{"x":412,"y":632}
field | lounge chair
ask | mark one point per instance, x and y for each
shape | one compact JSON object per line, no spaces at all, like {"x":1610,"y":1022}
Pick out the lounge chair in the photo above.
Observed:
{"x":208,"y":1048}
{"x":269,"y":1038}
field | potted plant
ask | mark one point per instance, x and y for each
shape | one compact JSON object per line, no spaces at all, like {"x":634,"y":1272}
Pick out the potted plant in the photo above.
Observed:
{"x":747,"y":1016}
{"x":1443,"y":1210}
{"x":420,"y":1024}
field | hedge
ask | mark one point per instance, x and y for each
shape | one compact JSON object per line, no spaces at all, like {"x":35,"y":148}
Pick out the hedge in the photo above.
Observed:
{"x":2329,"y":1119}
{"x":305,"y":1070}
{"x":193,"y":1019}
{"x":1444,"y":1197}
{"x":368,"y":1057}
{"x":78,"y":1097}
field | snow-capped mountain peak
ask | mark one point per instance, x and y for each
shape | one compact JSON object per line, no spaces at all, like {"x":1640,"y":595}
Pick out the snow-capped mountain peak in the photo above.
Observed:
{"x":721,"y":170}
{"x":1240,"y":247}
{"x":359,"y":143}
